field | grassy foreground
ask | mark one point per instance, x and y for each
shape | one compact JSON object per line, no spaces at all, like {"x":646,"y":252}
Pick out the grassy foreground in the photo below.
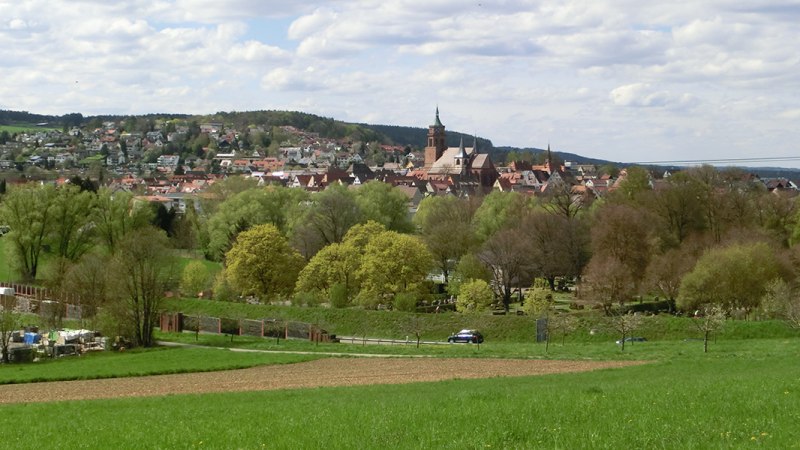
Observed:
{"x":737,"y":396}
{"x":139,"y":363}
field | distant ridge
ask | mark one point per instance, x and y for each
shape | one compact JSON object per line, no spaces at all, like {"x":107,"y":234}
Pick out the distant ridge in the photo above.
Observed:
{"x":414,"y":137}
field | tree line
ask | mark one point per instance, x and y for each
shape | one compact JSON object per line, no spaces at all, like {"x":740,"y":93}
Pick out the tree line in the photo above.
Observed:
{"x":702,"y":237}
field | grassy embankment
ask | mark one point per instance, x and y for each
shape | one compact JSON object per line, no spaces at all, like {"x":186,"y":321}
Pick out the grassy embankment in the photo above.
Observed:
{"x":743,"y":393}
{"x":520,"y":329}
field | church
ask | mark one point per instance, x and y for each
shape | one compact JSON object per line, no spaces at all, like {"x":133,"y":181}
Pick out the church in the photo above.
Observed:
{"x":458,"y":165}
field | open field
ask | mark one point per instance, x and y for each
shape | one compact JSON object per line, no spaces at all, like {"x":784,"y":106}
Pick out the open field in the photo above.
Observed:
{"x":313,"y":374}
{"x":21,"y":128}
{"x":735,"y":396}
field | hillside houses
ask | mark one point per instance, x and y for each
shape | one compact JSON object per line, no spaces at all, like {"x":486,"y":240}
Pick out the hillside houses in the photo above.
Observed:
{"x":174,"y":160}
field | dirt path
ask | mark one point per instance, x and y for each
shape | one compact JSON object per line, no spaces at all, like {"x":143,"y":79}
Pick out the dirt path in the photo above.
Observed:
{"x":324,"y":372}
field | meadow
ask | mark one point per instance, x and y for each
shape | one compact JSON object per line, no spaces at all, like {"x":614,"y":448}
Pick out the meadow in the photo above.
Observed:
{"x":743,"y":393}
{"x":139,"y":362}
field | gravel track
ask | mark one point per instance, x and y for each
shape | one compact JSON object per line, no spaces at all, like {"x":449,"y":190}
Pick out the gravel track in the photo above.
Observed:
{"x":318,"y":373}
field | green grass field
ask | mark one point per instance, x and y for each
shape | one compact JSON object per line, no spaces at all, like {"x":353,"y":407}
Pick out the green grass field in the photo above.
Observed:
{"x":139,"y":363}
{"x":742,"y":395}
{"x":21,"y":128}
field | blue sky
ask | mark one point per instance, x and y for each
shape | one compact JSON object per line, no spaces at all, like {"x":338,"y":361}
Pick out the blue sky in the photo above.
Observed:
{"x":622,"y":80}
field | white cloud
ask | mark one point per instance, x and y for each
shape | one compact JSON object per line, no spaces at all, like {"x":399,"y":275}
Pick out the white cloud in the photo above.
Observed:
{"x":645,"y":95}
{"x":602,"y":77}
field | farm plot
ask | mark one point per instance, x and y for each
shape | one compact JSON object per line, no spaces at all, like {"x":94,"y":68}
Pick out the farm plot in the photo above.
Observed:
{"x":325,"y":372}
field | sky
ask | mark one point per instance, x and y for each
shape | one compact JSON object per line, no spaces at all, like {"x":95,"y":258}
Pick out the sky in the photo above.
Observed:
{"x":622,"y":80}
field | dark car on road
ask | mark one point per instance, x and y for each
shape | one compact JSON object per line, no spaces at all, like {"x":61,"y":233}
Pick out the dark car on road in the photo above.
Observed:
{"x":466,"y":336}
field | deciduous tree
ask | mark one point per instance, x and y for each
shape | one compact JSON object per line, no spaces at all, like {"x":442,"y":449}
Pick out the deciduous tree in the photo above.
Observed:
{"x":143,"y":270}
{"x":474,"y":296}
{"x":262,"y":263}
{"x":731,"y":277}
{"x":508,"y":255}
{"x":384,"y":204}
{"x":393,"y":263}
{"x":29,"y":211}
{"x":444,"y":223}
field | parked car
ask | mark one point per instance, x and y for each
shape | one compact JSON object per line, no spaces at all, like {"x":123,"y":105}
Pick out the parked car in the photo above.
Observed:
{"x":466,"y":336}
{"x":632,"y":339}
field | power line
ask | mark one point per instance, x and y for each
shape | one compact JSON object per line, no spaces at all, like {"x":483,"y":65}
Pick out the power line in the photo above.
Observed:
{"x":722,"y":160}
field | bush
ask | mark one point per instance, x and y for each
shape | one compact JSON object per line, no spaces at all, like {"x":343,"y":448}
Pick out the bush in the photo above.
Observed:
{"x":306,"y":299}
{"x":195,"y":279}
{"x":474,"y":296}
{"x":338,"y":296}
{"x":222,"y":289}
{"x":405,"y":302}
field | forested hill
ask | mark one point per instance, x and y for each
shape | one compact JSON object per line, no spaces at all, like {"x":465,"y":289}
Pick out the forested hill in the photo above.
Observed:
{"x":417,"y":137}
{"x":414,"y":137}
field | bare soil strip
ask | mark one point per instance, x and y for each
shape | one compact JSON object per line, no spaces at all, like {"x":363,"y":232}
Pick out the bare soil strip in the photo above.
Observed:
{"x":319,"y":373}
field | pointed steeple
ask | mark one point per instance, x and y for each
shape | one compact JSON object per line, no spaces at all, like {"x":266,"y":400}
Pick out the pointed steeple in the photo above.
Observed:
{"x":462,"y":153}
{"x":475,"y":144}
{"x":437,"y":122}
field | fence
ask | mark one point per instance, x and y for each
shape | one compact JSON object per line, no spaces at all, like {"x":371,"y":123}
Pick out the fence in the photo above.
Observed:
{"x":179,"y":322}
{"x":45,"y":303}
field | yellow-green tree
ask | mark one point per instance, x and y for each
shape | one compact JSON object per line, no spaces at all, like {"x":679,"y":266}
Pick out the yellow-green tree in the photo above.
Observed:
{"x":474,"y":296}
{"x":195,"y":278}
{"x":261,"y":263}
{"x":393,"y":263}
{"x":335,"y":264}
{"x":733,"y":277}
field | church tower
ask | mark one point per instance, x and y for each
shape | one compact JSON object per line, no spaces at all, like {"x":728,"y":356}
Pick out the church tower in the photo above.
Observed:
{"x":436,"y":141}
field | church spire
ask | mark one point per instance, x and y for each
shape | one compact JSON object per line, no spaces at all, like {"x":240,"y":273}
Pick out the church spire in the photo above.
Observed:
{"x":475,"y":144}
{"x":462,"y":153}
{"x":437,"y":122}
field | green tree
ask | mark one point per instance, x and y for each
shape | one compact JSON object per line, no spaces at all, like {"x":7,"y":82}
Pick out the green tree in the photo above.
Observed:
{"x":9,"y":322}
{"x":334,"y":265}
{"x":143,"y":270}
{"x":498,"y":210}
{"x":273,"y":205}
{"x":393,"y":263}
{"x":116,"y":214}
{"x":634,"y":185}
{"x":444,"y":223}
{"x":474,"y":296}
{"x":262,"y":264}
{"x":332,"y":212}
{"x":384,"y":204}
{"x":736,"y":276}
{"x":469,"y":267}
{"x":223,"y":190}
{"x":29,"y":211}
{"x":196,"y":278}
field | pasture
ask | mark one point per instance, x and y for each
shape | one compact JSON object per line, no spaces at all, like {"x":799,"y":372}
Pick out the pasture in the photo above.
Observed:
{"x":742,"y":393}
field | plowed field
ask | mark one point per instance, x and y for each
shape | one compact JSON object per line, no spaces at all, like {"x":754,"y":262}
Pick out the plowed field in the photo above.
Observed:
{"x":323,"y":372}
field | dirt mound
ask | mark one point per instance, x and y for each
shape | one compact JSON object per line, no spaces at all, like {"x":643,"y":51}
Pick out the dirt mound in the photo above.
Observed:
{"x":323,"y":372}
